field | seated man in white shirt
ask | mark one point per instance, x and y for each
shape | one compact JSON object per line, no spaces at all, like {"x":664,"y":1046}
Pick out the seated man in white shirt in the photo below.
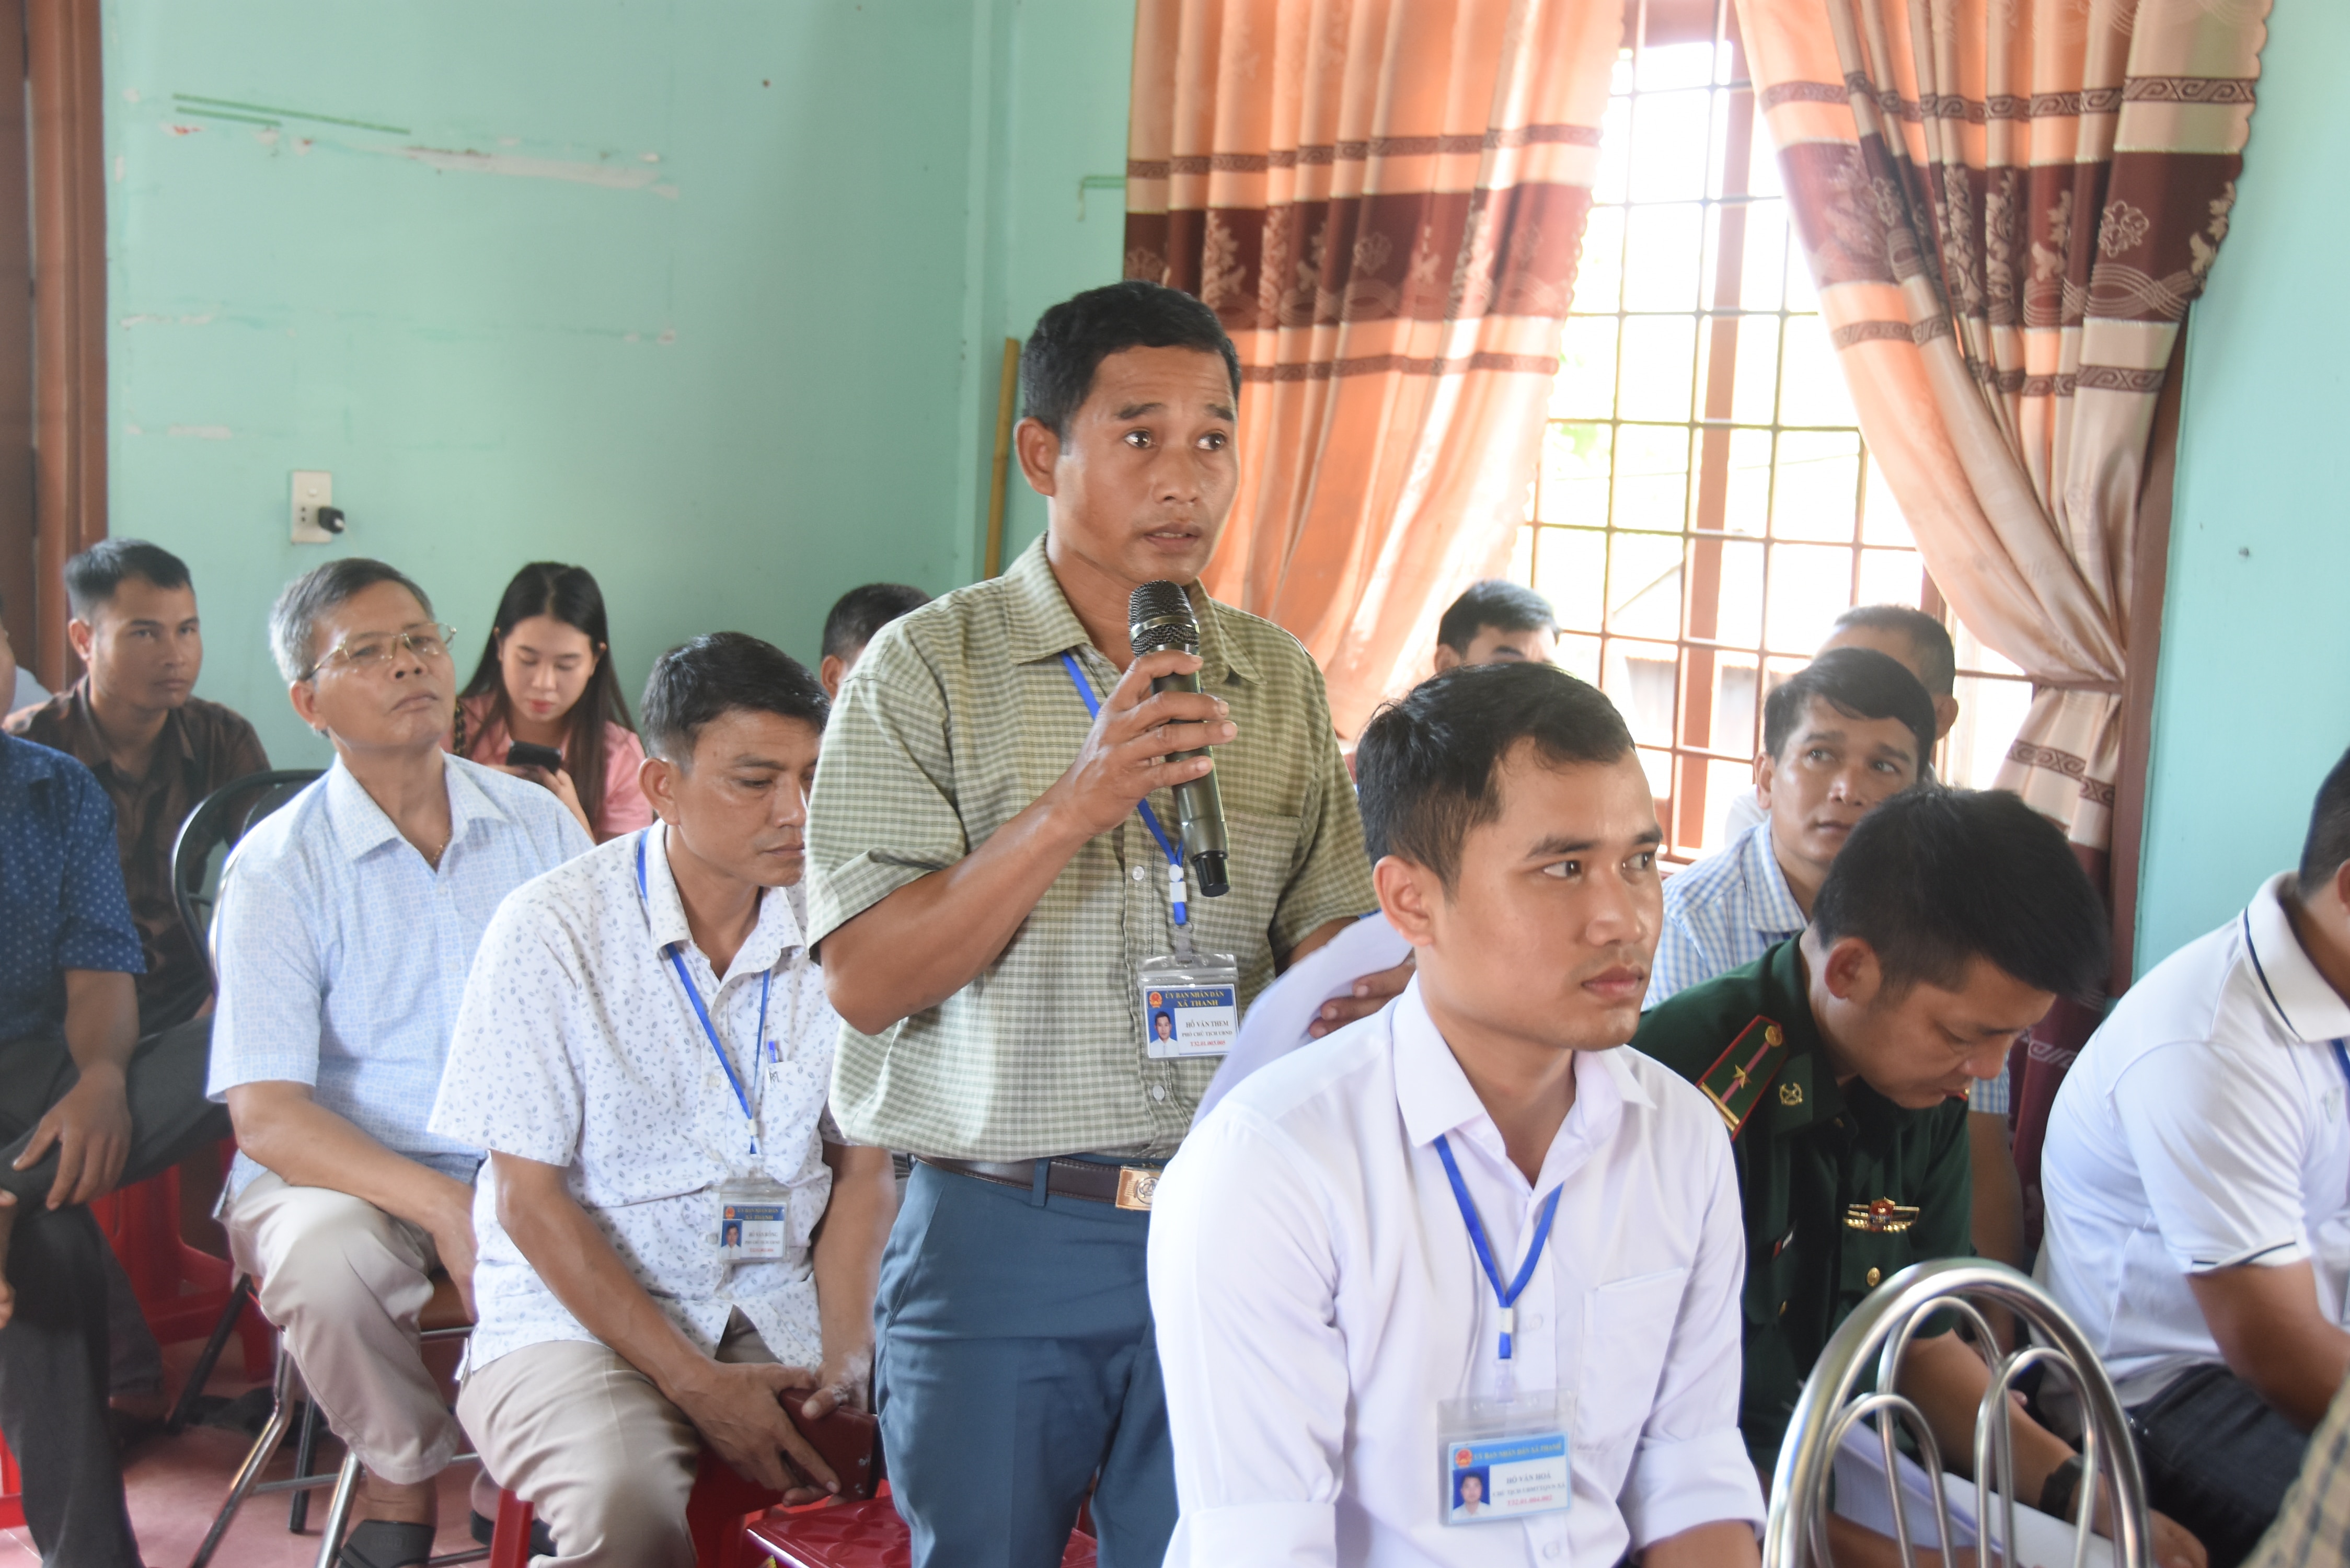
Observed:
{"x":1472,"y":1192}
{"x":348,"y":920}
{"x":2198,"y":1175}
{"x":643,"y":1039}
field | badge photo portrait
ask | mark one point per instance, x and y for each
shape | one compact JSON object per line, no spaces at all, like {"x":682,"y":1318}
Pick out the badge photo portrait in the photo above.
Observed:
{"x":1470,"y":1486}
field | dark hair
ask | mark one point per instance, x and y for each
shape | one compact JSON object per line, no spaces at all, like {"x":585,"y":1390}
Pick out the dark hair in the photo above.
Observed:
{"x":1936,"y":877}
{"x":93,"y":576}
{"x":1424,"y":768}
{"x":569,"y":595}
{"x":1504,"y":606}
{"x":1860,"y":683}
{"x":2328,"y":843}
{"x":857,"y":614}
{"x":1072,"y":340}
{"x":1930,"y":637}
{"x":294,"y":618}
{"x":698,"y":682}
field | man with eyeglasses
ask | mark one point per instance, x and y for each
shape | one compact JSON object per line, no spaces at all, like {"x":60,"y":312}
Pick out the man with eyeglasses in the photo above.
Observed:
{"x":347,"y":923}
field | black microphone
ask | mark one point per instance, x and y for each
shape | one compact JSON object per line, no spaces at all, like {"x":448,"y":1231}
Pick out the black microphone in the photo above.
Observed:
{"x":1160,"y":618}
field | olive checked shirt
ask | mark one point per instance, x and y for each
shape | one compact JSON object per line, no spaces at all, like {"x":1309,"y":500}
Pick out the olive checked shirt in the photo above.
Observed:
{"x":1812,"y":1157}
{"x":955,"y":718}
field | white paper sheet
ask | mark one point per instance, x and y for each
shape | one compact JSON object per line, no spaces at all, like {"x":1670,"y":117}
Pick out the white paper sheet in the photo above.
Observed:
{"x":1862,"y":1496}
{"x":1277,"y":1021}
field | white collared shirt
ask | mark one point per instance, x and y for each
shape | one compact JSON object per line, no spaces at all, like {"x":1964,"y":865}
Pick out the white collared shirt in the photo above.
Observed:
{"x":2202,"y":1128}
{"x":1316,"y":1298}
{"x":576,"y":1046}
{"x":343,"y":951}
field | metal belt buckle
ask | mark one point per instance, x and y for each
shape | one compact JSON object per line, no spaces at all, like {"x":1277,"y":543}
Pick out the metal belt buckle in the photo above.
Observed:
{"x":1136,"y":1187}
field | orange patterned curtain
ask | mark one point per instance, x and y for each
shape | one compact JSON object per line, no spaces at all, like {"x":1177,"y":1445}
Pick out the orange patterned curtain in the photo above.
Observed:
{"x":1384,"y":199}
{"x":2007,"y":206}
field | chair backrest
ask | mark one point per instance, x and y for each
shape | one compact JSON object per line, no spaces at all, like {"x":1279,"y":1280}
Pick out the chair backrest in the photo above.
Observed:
{"x":1876,"y":1336}
{"x":212,"y":830}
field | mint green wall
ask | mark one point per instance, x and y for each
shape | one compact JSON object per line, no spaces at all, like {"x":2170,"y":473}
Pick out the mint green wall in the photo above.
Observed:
{"x":2252,"y":701}
{"x":707,"y":295}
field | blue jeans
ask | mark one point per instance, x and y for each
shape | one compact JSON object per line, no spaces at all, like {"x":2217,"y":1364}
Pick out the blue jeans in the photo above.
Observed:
{"x":1017,"y":1363}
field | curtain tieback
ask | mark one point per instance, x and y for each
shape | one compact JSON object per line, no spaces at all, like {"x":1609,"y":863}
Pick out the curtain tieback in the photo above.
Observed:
{"x":2110,"y":688}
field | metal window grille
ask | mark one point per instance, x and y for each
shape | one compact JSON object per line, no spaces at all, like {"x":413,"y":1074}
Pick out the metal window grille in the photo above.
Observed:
{"x":1705,"y":506}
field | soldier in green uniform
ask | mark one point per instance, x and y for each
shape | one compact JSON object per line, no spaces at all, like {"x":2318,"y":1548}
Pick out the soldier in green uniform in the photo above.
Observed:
{"x":1840,"y":1063}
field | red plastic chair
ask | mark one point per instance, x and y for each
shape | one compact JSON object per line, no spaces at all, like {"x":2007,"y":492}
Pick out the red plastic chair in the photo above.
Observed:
{"x":866,"y":1534}
{"x":722,"y":1503}
{"x":181,"y":1289}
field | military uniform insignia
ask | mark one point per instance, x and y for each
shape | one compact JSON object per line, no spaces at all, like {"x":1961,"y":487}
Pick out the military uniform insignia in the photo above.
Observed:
{"x":1882,"y":1218}
{"x":1791,"y":1094}
{"x":1735,"y":1083}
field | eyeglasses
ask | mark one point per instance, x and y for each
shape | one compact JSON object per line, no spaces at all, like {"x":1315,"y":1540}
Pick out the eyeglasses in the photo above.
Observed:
{"x":369,"y":649}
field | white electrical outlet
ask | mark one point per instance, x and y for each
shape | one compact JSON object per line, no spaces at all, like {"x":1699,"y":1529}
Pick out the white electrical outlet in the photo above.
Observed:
{"x":314,"y":490}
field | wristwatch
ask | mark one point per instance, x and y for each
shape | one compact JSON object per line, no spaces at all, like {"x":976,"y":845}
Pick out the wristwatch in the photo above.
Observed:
{"x":2058,"y":1492}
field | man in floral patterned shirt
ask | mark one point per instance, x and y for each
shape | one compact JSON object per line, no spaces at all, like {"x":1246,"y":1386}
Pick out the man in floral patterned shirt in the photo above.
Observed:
{"x":644,"y":1039}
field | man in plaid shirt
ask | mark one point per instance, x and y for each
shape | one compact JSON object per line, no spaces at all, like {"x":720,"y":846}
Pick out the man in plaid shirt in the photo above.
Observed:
{"x":982,"y":895}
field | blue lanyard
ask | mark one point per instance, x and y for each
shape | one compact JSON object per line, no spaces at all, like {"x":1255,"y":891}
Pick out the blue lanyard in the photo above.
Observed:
{"x":2341,"y":1059}
{"x":1149,"y":817}
{"x":733,"y":1079}
{"x":1485,"y":1248}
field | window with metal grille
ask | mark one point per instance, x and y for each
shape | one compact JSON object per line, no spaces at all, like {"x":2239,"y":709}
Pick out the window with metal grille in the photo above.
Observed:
{"x":1705,"y":506}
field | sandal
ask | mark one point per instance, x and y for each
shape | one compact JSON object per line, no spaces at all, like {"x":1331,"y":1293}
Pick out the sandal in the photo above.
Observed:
{"x":381,"y":1543}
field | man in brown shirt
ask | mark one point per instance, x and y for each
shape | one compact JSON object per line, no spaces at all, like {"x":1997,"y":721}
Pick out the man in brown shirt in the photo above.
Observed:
{"x":158,"y":750}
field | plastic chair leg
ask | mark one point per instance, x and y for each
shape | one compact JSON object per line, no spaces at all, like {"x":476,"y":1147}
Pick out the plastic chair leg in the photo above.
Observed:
{"x":510,"y":1544}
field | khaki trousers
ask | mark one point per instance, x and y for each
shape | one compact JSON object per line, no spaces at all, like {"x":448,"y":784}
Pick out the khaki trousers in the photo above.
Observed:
{"x":346,"y":1283}
{"x":602,"y":1457}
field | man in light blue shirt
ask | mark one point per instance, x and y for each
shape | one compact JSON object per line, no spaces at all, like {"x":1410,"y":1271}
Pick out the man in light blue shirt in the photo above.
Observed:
{"x":348,"y":924}
{"x":1851,"y":729}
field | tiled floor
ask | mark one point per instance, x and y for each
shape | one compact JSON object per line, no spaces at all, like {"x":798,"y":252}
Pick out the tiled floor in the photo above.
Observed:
{"x":176,"y":1484}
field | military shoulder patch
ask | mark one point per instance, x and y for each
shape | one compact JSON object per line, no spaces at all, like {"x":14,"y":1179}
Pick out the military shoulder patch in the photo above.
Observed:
{"x":1735,"y":1083}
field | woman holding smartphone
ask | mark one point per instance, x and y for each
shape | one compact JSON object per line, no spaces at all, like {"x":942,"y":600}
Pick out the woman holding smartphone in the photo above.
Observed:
{"x":545,"y":704}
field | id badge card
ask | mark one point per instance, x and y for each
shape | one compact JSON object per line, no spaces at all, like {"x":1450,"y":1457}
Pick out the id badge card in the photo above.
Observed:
{"x":1501,"y":1459}
{"x":1191,"y":1004}
{"x":753,"y":1219}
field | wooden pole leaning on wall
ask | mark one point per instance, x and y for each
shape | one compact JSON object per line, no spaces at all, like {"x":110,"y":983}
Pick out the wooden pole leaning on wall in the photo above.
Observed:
{"x":1007,"y":397}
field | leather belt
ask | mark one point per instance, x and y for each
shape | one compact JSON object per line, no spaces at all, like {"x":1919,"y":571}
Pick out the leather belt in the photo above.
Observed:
{"x":1122,"y":1186}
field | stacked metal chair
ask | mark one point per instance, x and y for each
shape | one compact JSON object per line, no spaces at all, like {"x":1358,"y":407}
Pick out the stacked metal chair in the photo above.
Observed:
{"x":1875,"y":1337}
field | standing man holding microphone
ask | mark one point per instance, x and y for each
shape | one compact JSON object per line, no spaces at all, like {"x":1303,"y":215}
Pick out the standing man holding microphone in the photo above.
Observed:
{"x":997,"y":853}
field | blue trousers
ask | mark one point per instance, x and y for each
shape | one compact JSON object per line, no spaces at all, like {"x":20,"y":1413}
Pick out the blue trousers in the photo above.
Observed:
{"x":1016,"y":1363}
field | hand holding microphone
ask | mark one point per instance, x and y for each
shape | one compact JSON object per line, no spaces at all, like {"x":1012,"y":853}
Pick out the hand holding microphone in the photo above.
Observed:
{"x":1132,"y":747}
{"x":1158,"y":617}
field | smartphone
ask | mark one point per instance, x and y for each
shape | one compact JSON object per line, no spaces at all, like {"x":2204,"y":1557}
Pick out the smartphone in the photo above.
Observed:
{"x":849,"y":1440}
{"x":523,"y":754}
